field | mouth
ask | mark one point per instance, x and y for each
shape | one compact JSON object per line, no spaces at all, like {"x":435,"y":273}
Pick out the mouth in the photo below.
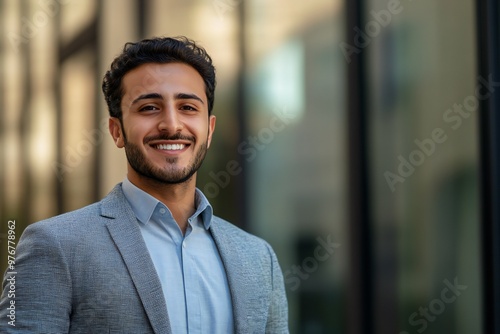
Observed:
{"x":170,"y":148}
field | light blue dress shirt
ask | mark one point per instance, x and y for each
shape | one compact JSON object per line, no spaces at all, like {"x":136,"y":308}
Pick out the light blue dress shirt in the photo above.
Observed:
{"x":189,"y":266}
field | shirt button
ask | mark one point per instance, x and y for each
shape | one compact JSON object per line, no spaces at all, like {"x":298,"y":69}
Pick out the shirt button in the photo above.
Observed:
{"x":162,"y":211}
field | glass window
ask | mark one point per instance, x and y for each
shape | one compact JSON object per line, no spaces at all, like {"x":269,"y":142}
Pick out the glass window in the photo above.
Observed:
{"x":78,"y":131}
{"x":295,"y":152}
{"x":423,"y":114}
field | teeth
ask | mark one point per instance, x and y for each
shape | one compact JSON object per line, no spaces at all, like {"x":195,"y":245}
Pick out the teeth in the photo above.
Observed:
{"x":170,"y":147}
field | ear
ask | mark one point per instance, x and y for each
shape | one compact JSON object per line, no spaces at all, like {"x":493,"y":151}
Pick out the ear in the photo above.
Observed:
{"x":115,"y":128}
{"x":211,"y":129}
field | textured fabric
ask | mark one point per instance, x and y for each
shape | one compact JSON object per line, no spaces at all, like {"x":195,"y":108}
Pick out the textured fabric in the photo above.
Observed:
{"x":89,"y":271}
{"x":189,"y":266}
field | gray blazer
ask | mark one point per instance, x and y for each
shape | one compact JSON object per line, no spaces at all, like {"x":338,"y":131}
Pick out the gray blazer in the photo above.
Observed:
{"x":89,"y":271}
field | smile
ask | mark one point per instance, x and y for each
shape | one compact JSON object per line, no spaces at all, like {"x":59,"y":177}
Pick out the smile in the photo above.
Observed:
{"x":170,"y":147}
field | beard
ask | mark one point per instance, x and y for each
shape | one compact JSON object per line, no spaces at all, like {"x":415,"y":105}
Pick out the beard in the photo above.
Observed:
{"x":171,"y":173}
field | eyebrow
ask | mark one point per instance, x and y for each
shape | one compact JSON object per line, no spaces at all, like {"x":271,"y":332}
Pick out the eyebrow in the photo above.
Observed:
{"x":178,"y":96}
{"x":147,"y":97}
{"x":185,"y":96}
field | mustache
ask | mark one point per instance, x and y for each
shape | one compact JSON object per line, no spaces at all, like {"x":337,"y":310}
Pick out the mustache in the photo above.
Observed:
{"x":165,"y":136}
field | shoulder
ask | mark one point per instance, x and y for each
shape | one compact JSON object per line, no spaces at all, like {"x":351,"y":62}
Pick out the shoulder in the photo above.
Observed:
{"x":226,"y":231}
{"x":80,"y":231}
{"x":80,"y":220}
{"x":68,"y":228}
{"x":235,"y":231}
{"x":70,"y":220}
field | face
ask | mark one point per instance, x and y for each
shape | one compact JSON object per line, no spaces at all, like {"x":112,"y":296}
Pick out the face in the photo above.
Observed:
{"x":165,"y":126}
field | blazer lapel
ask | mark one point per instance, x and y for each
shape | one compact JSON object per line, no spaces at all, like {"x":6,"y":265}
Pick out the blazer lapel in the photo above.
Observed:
{"x":246,"y":294}
{"x":127,"y":236}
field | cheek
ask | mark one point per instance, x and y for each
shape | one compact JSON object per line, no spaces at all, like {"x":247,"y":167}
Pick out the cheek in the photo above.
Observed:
{"x":193,"y":128}
{"x":136,"y":130}
{"x":201,"y":127}
{"x":203,"y":136}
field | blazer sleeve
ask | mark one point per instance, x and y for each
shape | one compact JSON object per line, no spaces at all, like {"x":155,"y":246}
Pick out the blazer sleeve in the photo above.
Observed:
{"x":42,"y":286}
{"x":277,"y":322}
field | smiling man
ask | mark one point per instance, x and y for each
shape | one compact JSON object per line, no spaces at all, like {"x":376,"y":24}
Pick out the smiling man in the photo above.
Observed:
{"x":150,"y":257}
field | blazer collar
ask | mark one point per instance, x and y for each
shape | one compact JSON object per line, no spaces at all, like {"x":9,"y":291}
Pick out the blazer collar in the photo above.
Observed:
{"x":125,"y":232}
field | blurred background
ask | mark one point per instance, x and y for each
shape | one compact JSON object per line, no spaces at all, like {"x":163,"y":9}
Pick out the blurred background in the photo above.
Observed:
{"x":349,"y":135}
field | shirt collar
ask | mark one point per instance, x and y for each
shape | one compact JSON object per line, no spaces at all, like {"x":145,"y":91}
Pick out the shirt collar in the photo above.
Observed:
{"x":203,"y":208}
{"x":144,"y":205}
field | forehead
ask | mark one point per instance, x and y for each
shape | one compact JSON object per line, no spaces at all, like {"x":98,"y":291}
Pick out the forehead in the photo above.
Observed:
{"x":163,"y":79}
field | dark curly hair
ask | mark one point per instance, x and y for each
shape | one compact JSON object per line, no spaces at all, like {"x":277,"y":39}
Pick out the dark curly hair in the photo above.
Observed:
{"x":160,"y":50}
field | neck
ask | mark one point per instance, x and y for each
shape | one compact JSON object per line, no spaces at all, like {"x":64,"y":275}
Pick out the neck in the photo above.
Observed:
{"x":179,"y":198}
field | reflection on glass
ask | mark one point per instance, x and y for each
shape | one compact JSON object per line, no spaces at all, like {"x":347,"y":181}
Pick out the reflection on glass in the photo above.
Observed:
{"x":424,"y":171}
{"x":281,"y":75}
{"x":297,"y":178}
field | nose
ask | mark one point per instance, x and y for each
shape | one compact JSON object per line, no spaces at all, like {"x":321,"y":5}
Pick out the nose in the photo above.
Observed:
{"x":170,"y":121}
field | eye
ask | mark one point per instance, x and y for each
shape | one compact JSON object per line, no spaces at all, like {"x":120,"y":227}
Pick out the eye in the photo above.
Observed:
{"x":149,"y":108}
{"x":188,"y":108}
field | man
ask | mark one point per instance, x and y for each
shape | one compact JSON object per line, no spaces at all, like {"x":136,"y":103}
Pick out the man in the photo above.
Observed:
{"x":150,"y":257}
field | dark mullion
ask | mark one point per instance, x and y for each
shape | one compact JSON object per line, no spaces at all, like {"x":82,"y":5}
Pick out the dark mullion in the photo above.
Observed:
{"x":88,"y":37}
{"x":242,"y":180}
{"x":3,"y":155}
{"x":98,"y":149}
{"x":489,"y":122}
{"x":142,"y":12}
{"x":360,"y":294}
{"x":24,"y":128}
{"x":4,"y":211}
{"x":59,"y":185}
